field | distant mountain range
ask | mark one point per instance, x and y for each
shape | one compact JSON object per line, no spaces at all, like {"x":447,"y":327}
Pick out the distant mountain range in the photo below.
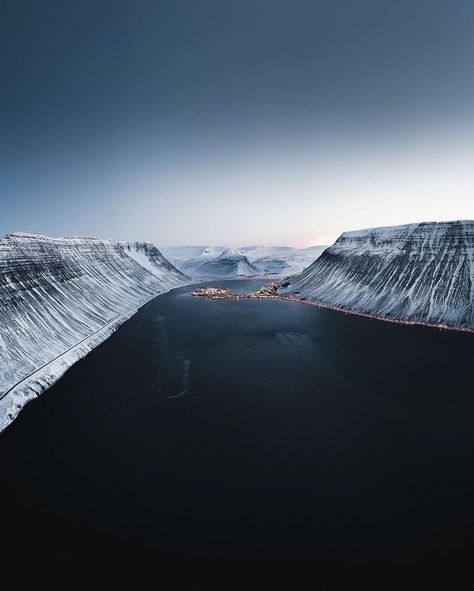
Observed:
{"x":219,"y":261}
{"x":228,"y":264}
{"x":415,"y":272}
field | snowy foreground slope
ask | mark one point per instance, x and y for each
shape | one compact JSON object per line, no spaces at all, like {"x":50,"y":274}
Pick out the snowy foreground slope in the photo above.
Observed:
{"x":416,"y":272}
{"x":61,"y":297}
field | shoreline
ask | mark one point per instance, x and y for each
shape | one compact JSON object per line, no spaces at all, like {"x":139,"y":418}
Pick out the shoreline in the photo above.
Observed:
{"x":44,"y":377}
{"x":419,"y":323}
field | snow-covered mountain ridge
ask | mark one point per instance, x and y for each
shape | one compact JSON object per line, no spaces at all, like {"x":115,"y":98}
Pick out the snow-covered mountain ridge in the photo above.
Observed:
{"x":60,"y":297}
{"x":228,"y":264}
{"x":416,"y":272}
{"x":203,"y":261}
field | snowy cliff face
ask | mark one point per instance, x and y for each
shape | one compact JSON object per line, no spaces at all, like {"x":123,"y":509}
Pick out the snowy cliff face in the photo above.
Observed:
{"x":61,"y":297}
{"x":417,"y":272}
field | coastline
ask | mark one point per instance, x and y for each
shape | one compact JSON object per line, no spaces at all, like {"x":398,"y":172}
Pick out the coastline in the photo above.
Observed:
{"x":443,"y":327}
{"x":13,"y":400}
{"x":382,"y":318}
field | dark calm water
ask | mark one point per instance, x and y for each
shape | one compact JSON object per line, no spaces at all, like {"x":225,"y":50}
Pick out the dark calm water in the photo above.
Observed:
{"x":248,"y":429}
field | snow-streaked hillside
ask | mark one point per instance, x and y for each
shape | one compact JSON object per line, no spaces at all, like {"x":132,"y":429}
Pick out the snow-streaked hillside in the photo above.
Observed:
{"x":62,"y":295}
{"x":416,"y":272}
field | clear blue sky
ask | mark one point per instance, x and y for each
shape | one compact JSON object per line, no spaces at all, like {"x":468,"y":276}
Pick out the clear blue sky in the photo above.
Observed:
{"x":224,"y":122}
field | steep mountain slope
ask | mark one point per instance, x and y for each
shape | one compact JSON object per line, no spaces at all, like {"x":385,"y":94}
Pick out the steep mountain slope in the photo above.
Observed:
{"x":66,"y":295}
{"x":416,"y":272}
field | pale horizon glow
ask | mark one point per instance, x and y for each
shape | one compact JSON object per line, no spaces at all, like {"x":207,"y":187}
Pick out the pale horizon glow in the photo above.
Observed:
{"x":311,"y":197}
{"x":273,"y":123}
{"x":303,"y":196}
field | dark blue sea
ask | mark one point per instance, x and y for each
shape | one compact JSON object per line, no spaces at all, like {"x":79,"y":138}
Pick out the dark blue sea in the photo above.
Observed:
{"x":248,"y":429}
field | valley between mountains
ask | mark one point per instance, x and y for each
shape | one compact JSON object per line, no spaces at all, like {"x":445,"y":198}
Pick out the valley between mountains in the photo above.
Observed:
{"x":61,"y":297}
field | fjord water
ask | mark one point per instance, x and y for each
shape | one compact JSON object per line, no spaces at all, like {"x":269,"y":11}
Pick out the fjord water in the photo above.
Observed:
{"x":248,"y":429}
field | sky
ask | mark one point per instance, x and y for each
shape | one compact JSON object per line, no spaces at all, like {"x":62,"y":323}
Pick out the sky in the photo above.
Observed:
{"x":234,"y":123}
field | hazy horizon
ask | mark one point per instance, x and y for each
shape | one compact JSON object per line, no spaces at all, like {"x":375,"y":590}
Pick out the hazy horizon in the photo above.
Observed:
{"x":216,"y":245}
{"x":269,"y":122}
